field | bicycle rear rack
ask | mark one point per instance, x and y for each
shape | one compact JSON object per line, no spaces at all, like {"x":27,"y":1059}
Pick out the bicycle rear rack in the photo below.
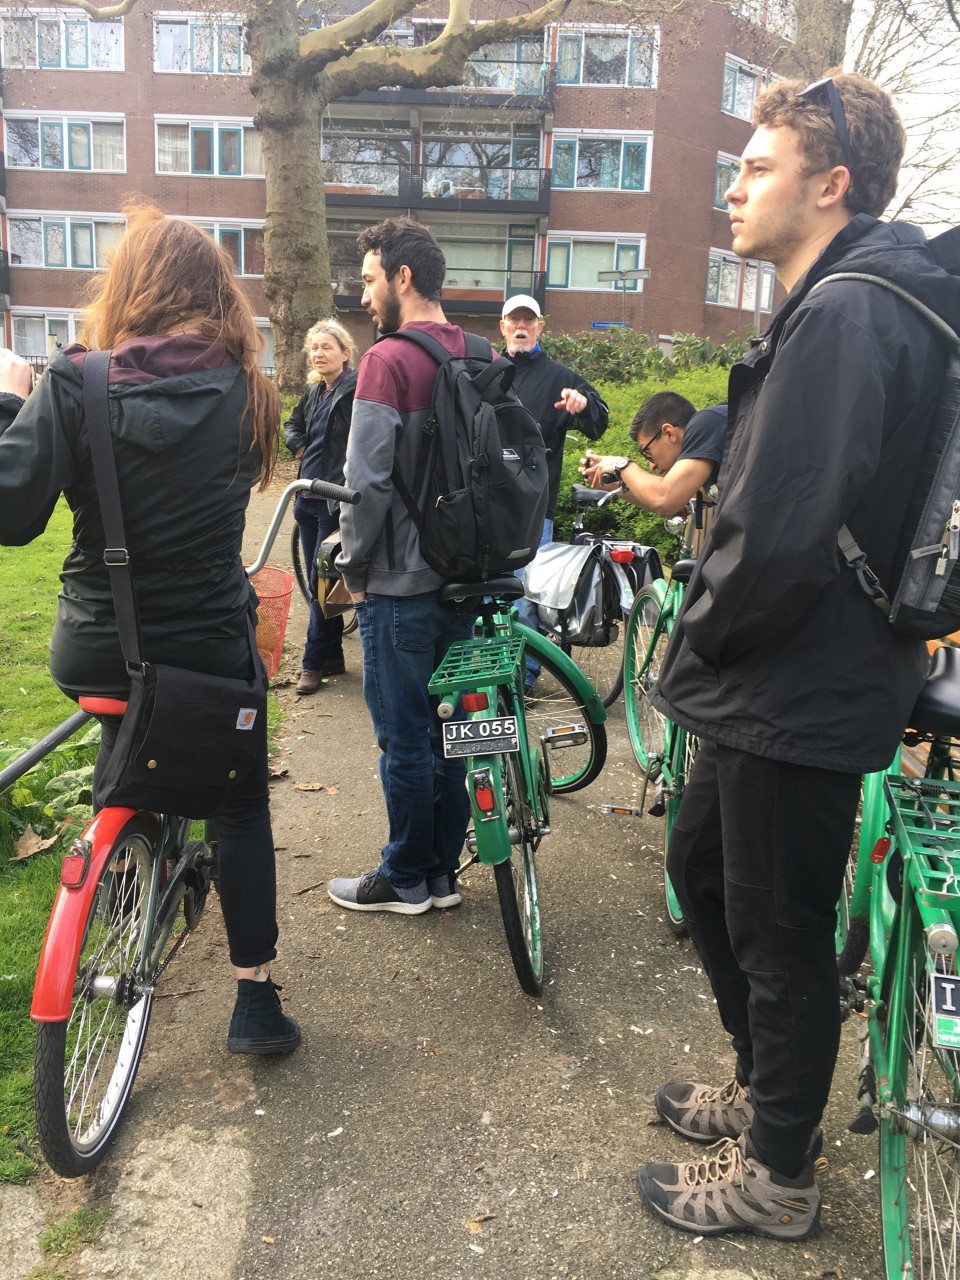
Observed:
{"x":484,"y":660}
{"x":926,"y":818}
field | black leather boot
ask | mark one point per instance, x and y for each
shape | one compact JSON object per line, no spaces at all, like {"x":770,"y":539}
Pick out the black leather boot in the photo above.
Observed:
{"x":259,"y":1024}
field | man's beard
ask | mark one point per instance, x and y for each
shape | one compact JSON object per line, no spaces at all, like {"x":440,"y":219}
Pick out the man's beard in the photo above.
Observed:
{"x":390,"y":318}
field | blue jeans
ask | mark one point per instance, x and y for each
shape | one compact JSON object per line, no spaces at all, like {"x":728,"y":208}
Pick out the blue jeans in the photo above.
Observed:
{"x":528,"y":610}
{"x":404,"y":639}
{"x":324,"y":635}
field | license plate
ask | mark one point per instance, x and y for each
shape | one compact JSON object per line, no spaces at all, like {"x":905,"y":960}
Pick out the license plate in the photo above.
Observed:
{"x":946,"y":1010}
{"x":497,"y":736}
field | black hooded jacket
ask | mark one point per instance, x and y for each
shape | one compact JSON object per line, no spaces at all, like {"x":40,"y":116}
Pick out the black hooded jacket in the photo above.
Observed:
{"x":777,"y":650}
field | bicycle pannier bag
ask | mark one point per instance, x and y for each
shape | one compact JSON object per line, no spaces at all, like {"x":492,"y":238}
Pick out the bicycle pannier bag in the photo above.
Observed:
{"x":923,"y":598}
{"x":482,"y":471}
{"x":186,"y":737}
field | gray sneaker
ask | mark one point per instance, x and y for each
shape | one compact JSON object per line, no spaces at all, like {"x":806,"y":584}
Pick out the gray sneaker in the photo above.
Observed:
{"x":374,"y":892}
{"x":704,"y":1112}
{"x":730,"y":1190}
{"x":443,"y":888}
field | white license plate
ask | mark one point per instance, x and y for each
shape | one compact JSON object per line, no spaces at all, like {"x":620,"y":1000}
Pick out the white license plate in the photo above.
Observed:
{"x":497,"y":736}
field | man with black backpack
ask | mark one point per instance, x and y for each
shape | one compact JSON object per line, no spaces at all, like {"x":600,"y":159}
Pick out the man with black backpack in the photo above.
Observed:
{"x":452,"y":475}
{"x":780,"y":662}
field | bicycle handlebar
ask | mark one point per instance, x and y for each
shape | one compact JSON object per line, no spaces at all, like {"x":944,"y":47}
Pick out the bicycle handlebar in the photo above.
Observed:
{"x":321,"y":489}
{"x":333,"y":492}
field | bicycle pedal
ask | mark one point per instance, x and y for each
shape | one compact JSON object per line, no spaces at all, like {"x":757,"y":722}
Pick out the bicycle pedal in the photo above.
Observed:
{"x":625,"y":810}
{"x":865,"y":1121}
{"x":657,"y":809}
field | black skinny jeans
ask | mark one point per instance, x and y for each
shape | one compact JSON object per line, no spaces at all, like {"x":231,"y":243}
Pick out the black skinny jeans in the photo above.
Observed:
{"x":757,"y":858}
{"x":248,"y":868}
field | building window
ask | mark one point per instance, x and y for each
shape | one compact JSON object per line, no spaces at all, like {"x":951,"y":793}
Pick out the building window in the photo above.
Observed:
{"x":778,"y":16}
{"x":607,"y":56}
{"x":244,"y":244}
{"x":724,"y":177}
{"x":741,"y":86}
{"x":61,"y":142}
{"x":574,"y":263}
{"x":366,"y":156}
{"x":200,"y":45}
{"x":58,"y":43}
{"x":209,"y":148}
{"x":77,"y":241}
{"x":483,"y":160}
{"x":36,"y":334}
{"x":732,"y":282}
{"x":600,"y":162}
{"x":514,"y":66}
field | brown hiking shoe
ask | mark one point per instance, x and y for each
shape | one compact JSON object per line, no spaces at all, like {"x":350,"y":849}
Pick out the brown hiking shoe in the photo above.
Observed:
{"x":703,"y":1112}
{"x":309,"y":682}
{"x":730,"y":1190}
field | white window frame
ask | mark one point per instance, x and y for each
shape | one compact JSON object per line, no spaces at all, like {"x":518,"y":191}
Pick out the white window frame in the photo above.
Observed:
{"x":201,"y":27}
{"x":75,"y":233}
{"x":68,"y":60}
{"x":724,"y":161}
{"x":47,"y":316}
{"x":730,"y":262}
{"x":621,"y":242}
{"x":64,"y":123}
{"x":570,"y":32}
{"x":631,"y":139}
{"x":740,"y":65}
{"x":220,"y":228}
{"x":778,"y":16}
{"x":218,"y":126}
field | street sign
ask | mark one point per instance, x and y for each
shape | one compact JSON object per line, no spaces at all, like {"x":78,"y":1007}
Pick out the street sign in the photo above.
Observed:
{"x":609,"y":324}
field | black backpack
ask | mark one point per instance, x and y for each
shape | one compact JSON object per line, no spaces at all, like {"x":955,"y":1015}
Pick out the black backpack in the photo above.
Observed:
{"x":481,"y":469}
{"x":923,"y":600}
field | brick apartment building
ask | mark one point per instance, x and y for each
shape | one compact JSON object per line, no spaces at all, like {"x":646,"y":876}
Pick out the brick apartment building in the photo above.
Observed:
{"x":592,"y":148}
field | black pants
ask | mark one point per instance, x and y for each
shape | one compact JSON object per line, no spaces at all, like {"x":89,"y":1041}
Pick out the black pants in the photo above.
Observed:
{"x":757,"y":858}
{"x":248,"y":870}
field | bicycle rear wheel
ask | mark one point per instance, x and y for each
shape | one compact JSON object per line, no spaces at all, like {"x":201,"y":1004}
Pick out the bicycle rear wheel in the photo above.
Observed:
{"x":517,"y":887}
{"x":644,"y":645}
{"x":85,"y":1066}
{"x":600,"y":657}
{"x":920,"y":1130}
{"x":350,"y":620}
{"x":554,"y":702}
{"x":689,"y":745}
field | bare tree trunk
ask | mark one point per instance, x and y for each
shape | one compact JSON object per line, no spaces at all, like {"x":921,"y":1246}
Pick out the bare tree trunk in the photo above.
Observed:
{"x":297,"y":272}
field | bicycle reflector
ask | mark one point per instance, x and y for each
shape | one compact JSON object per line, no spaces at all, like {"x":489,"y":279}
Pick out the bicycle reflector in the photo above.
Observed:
{"x":566,"y":735}
{"x":75,"y":865}
{"x":622,"y":555}
{"x":880,"y":850}
{"x":474,"y":701}
{"x":483,"y":792}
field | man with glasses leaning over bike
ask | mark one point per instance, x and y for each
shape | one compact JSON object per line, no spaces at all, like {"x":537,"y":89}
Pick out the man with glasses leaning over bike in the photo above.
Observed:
{"x":683,"y":447}
{"x":794,"y":682}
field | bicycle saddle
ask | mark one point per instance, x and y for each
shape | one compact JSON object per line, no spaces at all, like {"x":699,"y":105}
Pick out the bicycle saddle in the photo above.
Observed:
{"x":937,"y":709}
{"x":506,"y":587}
{"x":585,"y":497}
{"x":682,"y":570}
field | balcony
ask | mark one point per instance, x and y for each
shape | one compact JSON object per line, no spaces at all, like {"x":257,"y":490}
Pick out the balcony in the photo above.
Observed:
{"x":466,"y":290}
{"x":494,"y":189}
{"x":488,"y":83}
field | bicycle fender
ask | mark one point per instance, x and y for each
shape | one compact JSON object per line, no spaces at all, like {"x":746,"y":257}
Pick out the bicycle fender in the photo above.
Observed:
{"x":489,"y":831}
{"x":537,"y":643}
{"x":53,"y":988}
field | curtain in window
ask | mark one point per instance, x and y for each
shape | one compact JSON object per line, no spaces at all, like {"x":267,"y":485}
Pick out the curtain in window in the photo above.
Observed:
{"x":79,"y":146}
{"x":107,"y":235}
{"x":604,"y":59}
{"x":108,"y":146}
{"x":252,"y":151}
{"x":173,"y":46}
{"x":173,"y":148}
{"x":588,"y":259}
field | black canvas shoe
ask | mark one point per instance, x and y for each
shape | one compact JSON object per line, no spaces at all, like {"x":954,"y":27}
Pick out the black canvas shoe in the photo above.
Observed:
{"x":259,"y":1024}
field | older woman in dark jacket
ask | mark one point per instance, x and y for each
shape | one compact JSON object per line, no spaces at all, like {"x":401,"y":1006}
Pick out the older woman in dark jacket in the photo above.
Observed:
{"x":316,"y":433}
{"x":194,"y":425}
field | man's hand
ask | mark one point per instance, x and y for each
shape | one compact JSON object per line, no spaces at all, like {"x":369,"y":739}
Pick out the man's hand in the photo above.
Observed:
{"x":16,"y":376}
{"x":594,"y":466}
{"x":572,"y":400}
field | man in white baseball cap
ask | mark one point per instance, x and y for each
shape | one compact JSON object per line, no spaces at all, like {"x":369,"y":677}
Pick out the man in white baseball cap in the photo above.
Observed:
{"x":558,"y":398}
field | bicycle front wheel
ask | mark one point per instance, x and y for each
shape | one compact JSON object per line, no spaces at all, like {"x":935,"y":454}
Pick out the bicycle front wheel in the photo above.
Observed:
{"x":600,"y":656}
{"x":644,"y":646}
{"x":517,"y":885}
{"x":553,"y":702}
{"x":920,"y":1130}
{"x":85,"y":1066}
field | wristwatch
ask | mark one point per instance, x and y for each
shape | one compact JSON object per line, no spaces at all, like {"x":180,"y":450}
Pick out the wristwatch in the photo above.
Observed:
{"x":618,"y":466}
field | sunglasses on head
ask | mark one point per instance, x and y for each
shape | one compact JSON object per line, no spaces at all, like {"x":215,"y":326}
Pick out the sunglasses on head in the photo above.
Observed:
{"x":826,"y":91}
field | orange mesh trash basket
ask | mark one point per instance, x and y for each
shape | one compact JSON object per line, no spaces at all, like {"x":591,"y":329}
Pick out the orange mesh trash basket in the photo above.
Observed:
{"x":274,"y":588}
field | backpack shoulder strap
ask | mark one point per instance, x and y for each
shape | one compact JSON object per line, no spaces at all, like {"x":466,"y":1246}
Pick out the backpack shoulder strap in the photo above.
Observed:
{"x":931,"y":316}
{"x":477,"y":348}
{"x":424,"y":340}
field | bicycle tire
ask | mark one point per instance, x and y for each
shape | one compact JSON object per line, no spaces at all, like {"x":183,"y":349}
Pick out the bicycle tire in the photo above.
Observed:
{"x":601,"y":659}
{"x":644,"y":645}
{"x":690,"y":744}
{"x":555,"y":701}
{"x":350,"y":620}
{"x":85,"y":1065}
{"x":517,"y":887}
{"x":919,"y":1147}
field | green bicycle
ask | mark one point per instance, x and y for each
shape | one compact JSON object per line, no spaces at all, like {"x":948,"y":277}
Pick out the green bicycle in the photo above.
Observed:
{"x":518,"y":750}
{"x":663,"y":750}
{"x":904,"y":903}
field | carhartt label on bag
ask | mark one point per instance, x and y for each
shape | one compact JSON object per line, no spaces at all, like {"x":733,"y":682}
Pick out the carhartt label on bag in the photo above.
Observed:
{"x":246,"y":718}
